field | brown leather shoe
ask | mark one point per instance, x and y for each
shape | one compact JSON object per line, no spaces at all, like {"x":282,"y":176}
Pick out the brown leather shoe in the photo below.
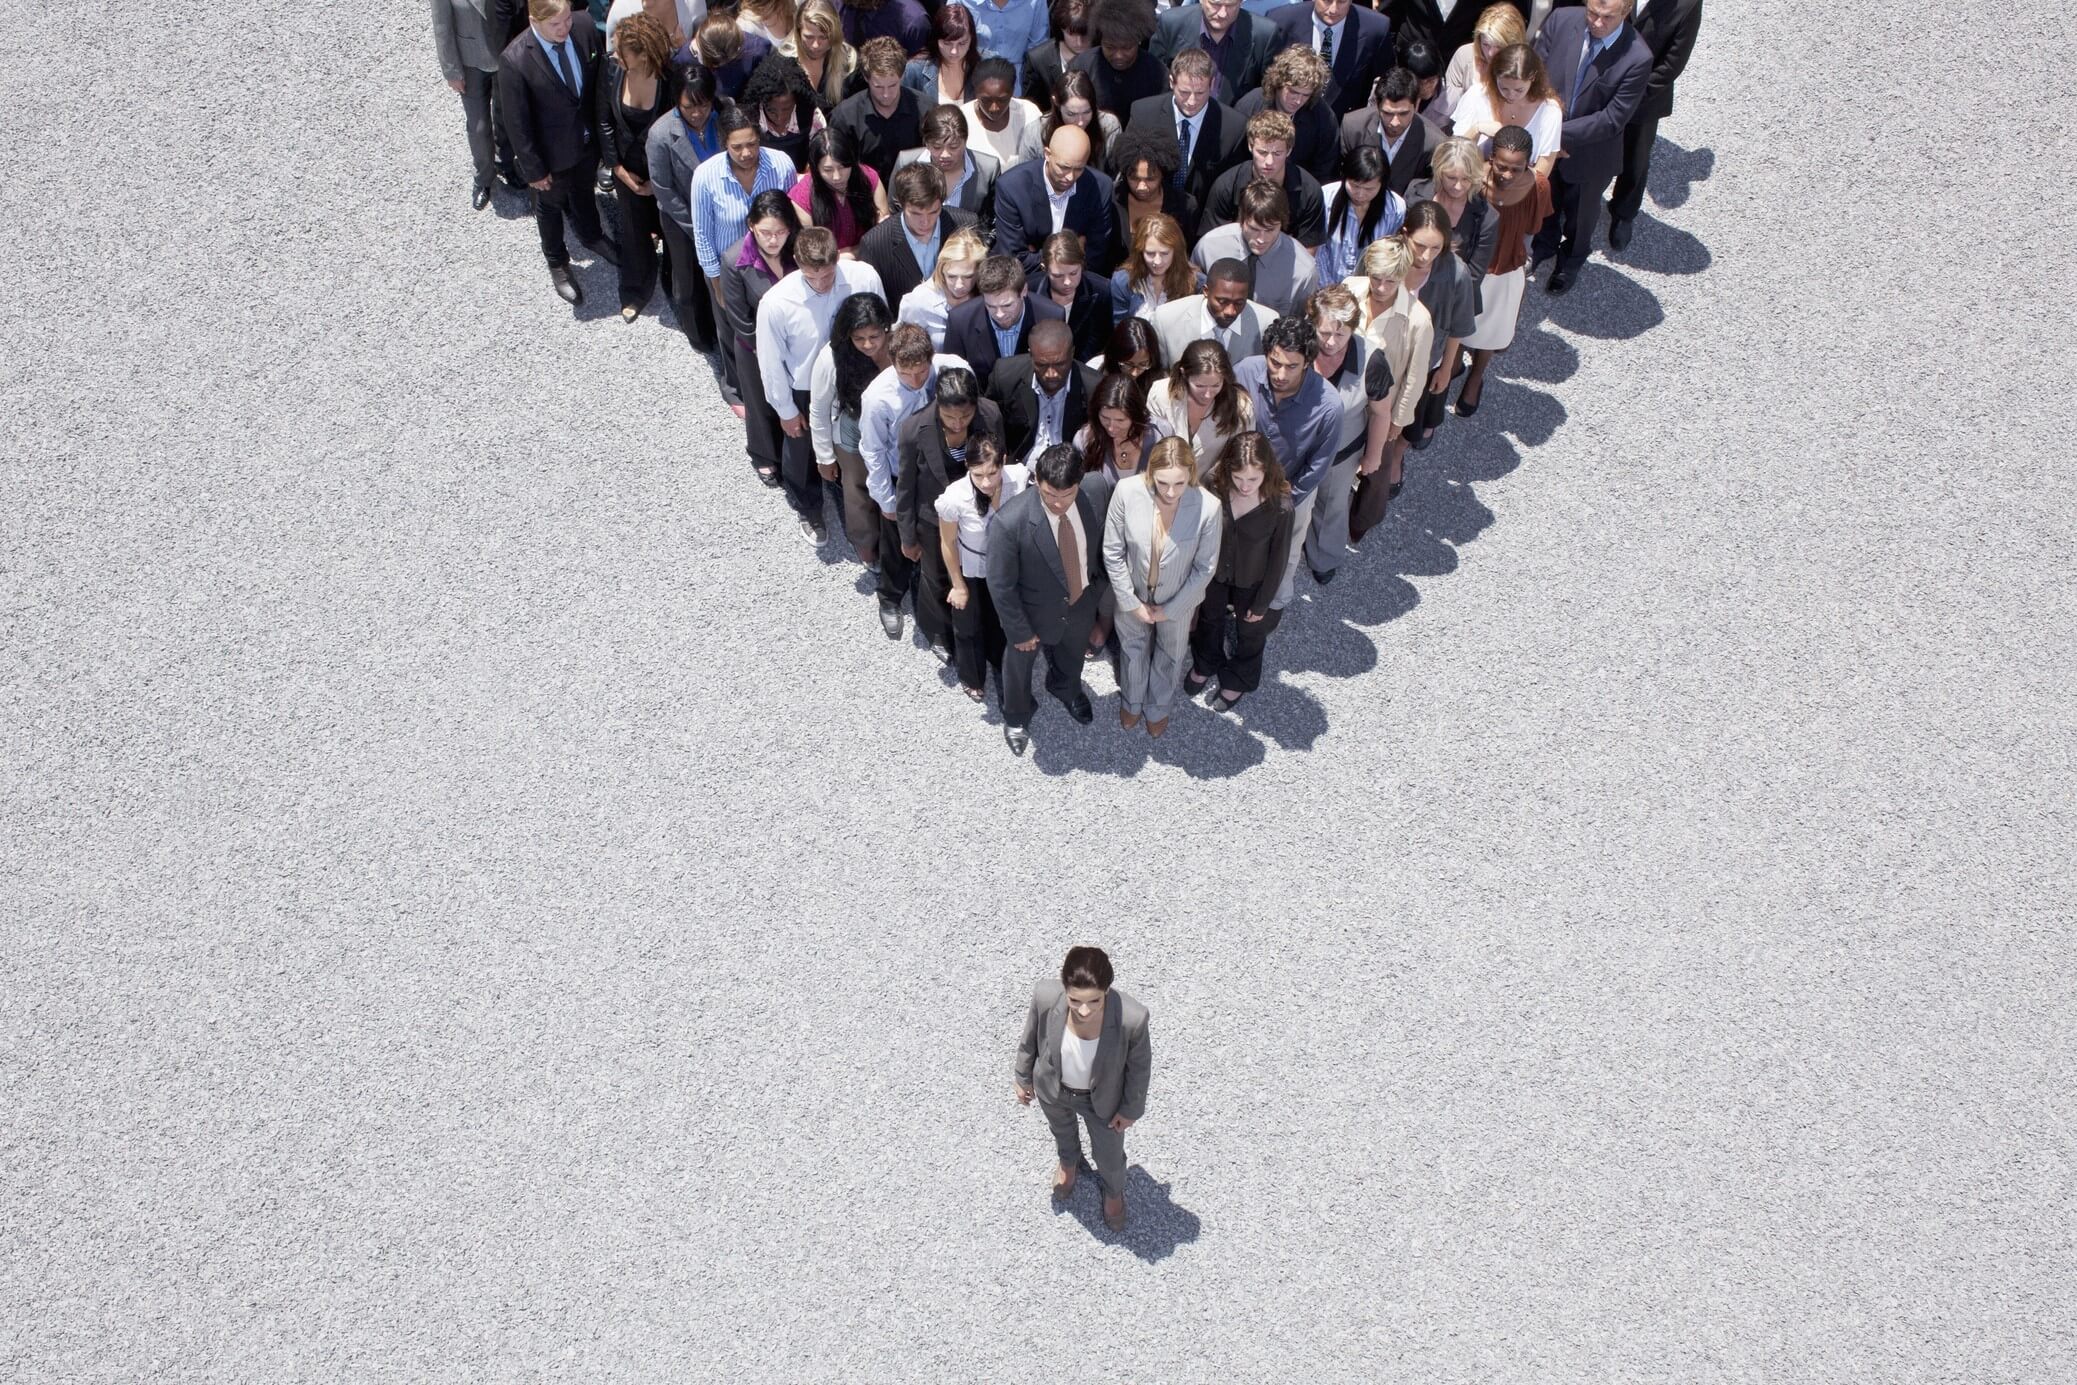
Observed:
{"x":1126,"y":719}
{"x":1064,"y":1182}
{"x":1156,"y":728}
{"x":1114,"y":1213}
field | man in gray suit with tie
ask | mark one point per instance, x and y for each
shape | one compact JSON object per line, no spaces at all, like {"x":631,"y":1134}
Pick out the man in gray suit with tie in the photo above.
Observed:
{"x":1046,"y":575}
{"x":1085,"y":1054}
{"x":469,"y":62}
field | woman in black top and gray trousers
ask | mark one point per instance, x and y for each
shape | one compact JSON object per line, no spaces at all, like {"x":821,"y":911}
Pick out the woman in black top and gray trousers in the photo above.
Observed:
{"x":1254,"y":549}
{"x":638,"y":67}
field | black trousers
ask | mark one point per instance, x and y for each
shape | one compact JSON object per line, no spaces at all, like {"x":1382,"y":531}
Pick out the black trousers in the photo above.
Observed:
{"x":761,"y":434}
{"x":1064,"y":660}
{"x":977,"y":642}
{"x":640,"y":224}
{"x":1568,"y":233}
{"x":689,"y":298}
{"x":1626,"y":198}
{"x":1242,"y":669}
{"x":488,"y":147}
{"x":933,"y":591}
{"x":571,"y":194}
{"x":897,"y":569}
{"x":797,"y":470}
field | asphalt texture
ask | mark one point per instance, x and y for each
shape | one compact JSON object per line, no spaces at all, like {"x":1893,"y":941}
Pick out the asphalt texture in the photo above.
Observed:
{"x":480,"y":899}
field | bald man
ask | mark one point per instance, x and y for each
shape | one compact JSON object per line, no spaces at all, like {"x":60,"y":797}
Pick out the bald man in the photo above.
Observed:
{"x":1059,"y":192}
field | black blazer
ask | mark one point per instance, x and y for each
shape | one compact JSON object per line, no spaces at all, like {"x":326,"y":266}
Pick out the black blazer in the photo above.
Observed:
{"x":622,"y":141}
{"x":1360,"y":57}
{"x":1089,"y":318}
{"x":1117,"y":91}
{"x":1222,"y":142}
{"x":1025,"y":580}
{"x":1250,"y":44}
{"x":1415,"y":152}
{"x":1668,"y":28}
{"x":1612,"y":93}
{"x":551,"y":129}
{"x":1308,"y":225}
{"x":1024,"y":216}
{"x":1318,"y":149}
{"x":1042,"y":73}
{"x":926,"y":469}
{"x":970,"y":333}
{"x":886,"y":249}
{"x":1422,"y":19}
{"x":502,"y":22}
{"x":1009,"y":385}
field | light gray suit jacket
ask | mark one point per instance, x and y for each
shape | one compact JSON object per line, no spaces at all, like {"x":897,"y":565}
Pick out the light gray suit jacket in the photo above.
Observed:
{"x":1179,"y":323}
{"x":1118,"y":1085}
{"x":1189,"y":554}
{"x":459,"y":36}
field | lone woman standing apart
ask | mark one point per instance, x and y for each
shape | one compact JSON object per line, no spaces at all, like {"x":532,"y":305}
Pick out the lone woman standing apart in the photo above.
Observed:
{"x":1160,"y":547}
{"x":1253,"y":552}
{"x":965,"y":510}
{"x":1085,"y":1053}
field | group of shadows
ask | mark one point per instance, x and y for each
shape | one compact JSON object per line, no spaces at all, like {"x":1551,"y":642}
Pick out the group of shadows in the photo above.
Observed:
{"x":1438,"y":513}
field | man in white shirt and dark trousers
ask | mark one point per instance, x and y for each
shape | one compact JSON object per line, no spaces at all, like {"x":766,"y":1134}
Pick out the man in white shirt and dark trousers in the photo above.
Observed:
{"x":792,"y":325}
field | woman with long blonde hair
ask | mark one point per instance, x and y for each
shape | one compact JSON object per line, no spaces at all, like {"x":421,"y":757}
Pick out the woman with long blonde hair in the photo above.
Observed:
{"x":1395,"y":324}
{"x":817,"y":44}
{"x":1498,"y":26}
{"x":950,"y":284}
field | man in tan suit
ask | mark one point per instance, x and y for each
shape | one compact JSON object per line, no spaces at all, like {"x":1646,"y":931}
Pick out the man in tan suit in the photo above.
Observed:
{"x":1085,"y":1053}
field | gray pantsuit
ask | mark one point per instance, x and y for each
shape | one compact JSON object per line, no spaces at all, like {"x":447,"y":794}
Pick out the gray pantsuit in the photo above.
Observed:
{"x":1151,"y":660}
{"x":1152,"y":655}
{"x":1300,"y":517}
{"x":1106,"y":1146}
{"x":1117,"y":1081}
{"x":1327,"y":541}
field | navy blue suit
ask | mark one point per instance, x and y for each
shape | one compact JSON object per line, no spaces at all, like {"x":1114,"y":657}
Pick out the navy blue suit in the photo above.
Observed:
{"x":1596,"y":115}
{"x":970,"y":332}
{"x":1361,"y":54}
{"x":1024,"y":216}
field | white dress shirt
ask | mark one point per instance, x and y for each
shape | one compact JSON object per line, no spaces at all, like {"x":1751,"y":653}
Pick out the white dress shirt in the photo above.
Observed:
{"x":882,"y":408}
{"x":1058,"y":202}
{"x":793,"y":324}
{"x":958,"y":504}
{"x":1052,"y":419}
{"x":822,"y":405}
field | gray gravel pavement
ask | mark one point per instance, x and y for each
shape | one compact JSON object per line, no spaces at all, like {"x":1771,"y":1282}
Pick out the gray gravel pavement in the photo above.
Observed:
{"x":481,"y":900}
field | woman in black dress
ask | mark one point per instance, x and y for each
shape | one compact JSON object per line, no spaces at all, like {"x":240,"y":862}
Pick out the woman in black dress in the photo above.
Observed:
{"x":640,"y":85}
{"x":1253,"y":552}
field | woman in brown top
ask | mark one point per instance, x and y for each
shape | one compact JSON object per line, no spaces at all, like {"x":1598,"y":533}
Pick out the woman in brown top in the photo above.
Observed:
{"x":1521,"y":199}
{"x":1253,"y":552}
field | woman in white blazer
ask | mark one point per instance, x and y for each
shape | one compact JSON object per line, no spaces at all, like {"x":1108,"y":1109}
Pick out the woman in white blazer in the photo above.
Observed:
{"x":1160,"y":546}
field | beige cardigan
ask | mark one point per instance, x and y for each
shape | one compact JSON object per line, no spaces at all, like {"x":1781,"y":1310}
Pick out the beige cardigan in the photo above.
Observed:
{"x":1406,"y":335}
{"x":1171,"y":418}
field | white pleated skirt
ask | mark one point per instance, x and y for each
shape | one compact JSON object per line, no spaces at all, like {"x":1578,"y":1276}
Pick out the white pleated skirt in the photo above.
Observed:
{"x":1502,"y":296}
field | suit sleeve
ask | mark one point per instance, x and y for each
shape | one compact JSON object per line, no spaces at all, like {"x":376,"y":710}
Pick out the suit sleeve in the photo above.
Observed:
{"x":444,"y":42}
{"x":905,"y":491}
{"x":1674,"y":61}
{"x":1211,"y":528}
{"x":1027,"y":1045}
{"x":1116,"y":561}
{"x":1279,"y":559}
{"x":1005,"y":568}
{"x":603,"y":124}
{"x":1103,"y":257}
{"x":1139,"y":1068}
{"x":518,"y":104}
{"x":1010,"y":238}
{"x":1608,"y":122}
{"x":673,"y":197}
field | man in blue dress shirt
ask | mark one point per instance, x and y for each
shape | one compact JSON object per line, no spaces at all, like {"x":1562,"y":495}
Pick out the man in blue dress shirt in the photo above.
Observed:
{"x":1300,"y":416}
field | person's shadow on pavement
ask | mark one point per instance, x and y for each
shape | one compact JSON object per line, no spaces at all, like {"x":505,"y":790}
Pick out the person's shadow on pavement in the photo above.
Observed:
{"x":1154,"y":1224}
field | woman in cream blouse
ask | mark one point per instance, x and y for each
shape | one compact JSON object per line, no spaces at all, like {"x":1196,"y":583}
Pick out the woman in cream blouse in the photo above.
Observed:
{"x":1201,"y":403}
{"x":1397,"y":326}
{"x":1160,"y":547}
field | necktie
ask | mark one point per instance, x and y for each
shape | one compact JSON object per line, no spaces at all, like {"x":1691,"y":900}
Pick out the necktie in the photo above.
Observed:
{"x":1182,"y":138}
{"x":1327,"y":44}
{"x":1586,"y":63}
{"x":1071,"y":560}
{"x":562,"y":67}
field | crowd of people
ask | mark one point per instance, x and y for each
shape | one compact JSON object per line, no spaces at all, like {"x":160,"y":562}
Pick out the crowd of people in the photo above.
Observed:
{"x":1092,"y":321}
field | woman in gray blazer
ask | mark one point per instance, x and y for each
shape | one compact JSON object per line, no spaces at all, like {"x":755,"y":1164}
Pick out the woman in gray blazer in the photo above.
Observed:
{"x":1085,"y":1054}
{"x":1160,"y":545}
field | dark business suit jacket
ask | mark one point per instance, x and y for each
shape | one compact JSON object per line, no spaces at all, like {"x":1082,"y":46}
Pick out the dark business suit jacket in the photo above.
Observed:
{"x":970,"y":333}
{"x":1041,"y":74}
{"x":1222,"y":142}
{"x":1668,"y":28}
{"x":886,"y":249}
{"x":1250,"y":44}
{"x":1124,"y":1057}
{"x":1029,"y":589}
{"x":978,"y":196}
{"x":502,"y":22}
{"x":622,"y":142}
{"x":1592,"y":137}
{"x":1415,"y":154}
{"x":1116,"y":91}
{"x":1024,"y":216}
{"x":1009,"y":385}
{"x":1361,"y":55}
{"x":1421,"y":18}
{"x":926,"y":469}
{"x":551,"y":127}
{"x":1318,"y":148}
{"x":1090,"y":316}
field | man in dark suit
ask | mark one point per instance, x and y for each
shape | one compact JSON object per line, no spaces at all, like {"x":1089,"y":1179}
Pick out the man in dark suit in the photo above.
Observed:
{"x":1085,"y":299}
{"x":1357,"y":44}
{"x":1239,"y":45}
{"x":958,"y":416}
{"x":548,"y":82}
{"x":1044,"y":62}
{"x":969,"y":173}
{"x":1000,"y":315}
{"x":1044,"y":395}
{"x":1668,"y":28}
{"x":1217,"y":136}
{"x":1394,"y":124}
{"x":1046,"y":576}
{"x":1424,"y":19}
{"x":886,"y":117}
{"x":1027,"y":195}
{"x":1599,"y":68}
{"x":904,"y":248}
{"x":1119,"y":67}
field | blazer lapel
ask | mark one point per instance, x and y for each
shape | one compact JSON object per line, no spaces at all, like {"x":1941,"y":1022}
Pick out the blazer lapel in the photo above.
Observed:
{"x":1106,"y":1043}
{"x":1048,"y":544}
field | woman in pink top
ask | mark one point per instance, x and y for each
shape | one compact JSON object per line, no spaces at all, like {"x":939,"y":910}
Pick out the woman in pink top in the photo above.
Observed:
{"x":839,"y":191}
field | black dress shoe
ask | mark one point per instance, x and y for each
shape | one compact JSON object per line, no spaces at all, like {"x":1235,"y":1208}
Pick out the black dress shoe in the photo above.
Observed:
{"x":480,"y":198}
{"x":604,"y":250}
{"x":1080,"y":709}
{"x":1420,"y":444}
{"x":1017,"y":737}
{"x":1465,"y":410}
{"x":1323,"y":578}
{"x":565,"y":287}
{"x":942,"y":650}
{"x":1559,"y":282}
{"x":890,"y":620}
{"x":1619,"y":230}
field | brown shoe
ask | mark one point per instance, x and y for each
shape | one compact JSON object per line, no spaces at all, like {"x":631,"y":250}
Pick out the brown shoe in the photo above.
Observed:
{"x":1064,"y":1182}
{"x":1126,"y":719}
{"x":1114,"y":1213}
{"x":1155,"y":728}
